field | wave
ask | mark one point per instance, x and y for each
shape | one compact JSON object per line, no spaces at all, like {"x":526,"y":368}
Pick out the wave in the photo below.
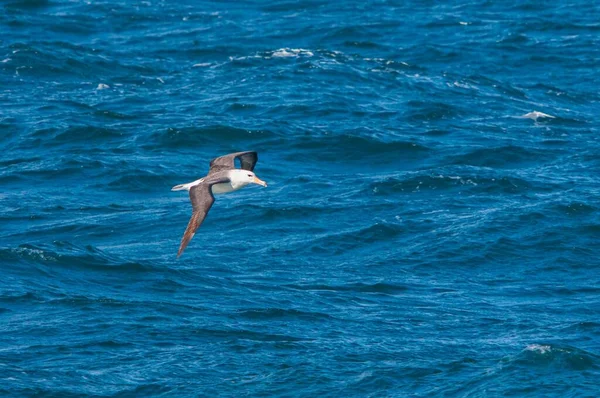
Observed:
{"x":78,"y":134}
{"x":342,"y":242}
{"x":278,"y":213}
{"x":428,"y":111}
{"x":282,"y":313}
{"x":243,"y":334}
{"x":567,"y":364}
{"x":140,"y":180}
{"x":556,"y":356}
{"x":380,"y":287}
{"x":474,"y":183}
{"x":68,"y":62}
{"x":67,"y":255}
{"x":19,"y":298}
{"x":575,"y":209}
{"x":194,"y":137}
{"x":353,"y":149}
{"x":509,"y":156}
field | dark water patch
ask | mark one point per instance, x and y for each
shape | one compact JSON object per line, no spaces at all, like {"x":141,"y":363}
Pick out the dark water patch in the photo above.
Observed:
{"x":416,"y":183}
{"x":436,"y":133}
{"x":78,"y":301}
{"x":77,"y":225}
{"x":343,"y":242}
{"x":140,"y":181}
{"x":194,"y":138}
{"x":112,"y":115}
{"x":572,"y":95}
{"x":215,"y":52}
{"x":532,"y":217}
{"x":88,"y":135}
{"x":9,"y":130}
{"x":145,"y":389}
{"x":504,"y":157}
{"x":575,"y":209}
{"x":574,"y":291}
{"x":282,"y":314}
{"x":461,"y":364}
{"x":12,"y":180}
{"x":242,"y":108}
{"x":243,"y":334}
{"x":378,"y":288}
{"x":347,"y":33}
{"x":18,"y":161}
{"x":556,"y":143}
{"x":287,"y":6}
{"x":509,"y":40}
{"x":66,"y":255}
{"x":359,"y":149}
{"x":105,"y":344}
{"x":593,"y":327}
{"x":56,"y":168}
{"x":363,"y":44}
{"x":472,"y":184}
{"x":38,"y":61}
{"x":68,"y":104}
{"x":507,"y":89}
{"x":505,"y":185}
{"x":99,"y":209}
{"x":9,"y":298}
{"x":292,"y":212}
{"x":68,"y":61}
{"x":421,"y":111}
{"x":556,"y":357}
{"x":28,"y":4}
{"x":39,"y":392}
{"x":591,"y":229}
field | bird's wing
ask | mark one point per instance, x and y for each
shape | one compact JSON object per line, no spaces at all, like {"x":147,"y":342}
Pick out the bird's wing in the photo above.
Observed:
{"x":248,"y":160}
{"x":202,"y":200}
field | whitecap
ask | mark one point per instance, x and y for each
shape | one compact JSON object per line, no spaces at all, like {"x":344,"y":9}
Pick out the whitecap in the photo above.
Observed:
{"x":535,"y":115}
{"x":292,"y":52}
{"x":102,"y":86}
{"x":542,"y":349}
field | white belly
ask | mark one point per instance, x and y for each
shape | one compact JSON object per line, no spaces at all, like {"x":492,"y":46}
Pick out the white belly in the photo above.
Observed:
{"x":224,"y":188}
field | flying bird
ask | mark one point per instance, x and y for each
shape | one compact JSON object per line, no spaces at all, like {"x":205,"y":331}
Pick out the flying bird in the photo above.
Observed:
{"x":222,"y":177}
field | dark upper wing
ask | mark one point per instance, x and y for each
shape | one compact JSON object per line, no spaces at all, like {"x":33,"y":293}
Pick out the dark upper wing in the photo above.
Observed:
{"x":202,"y":200}
{"x":227,"y":162}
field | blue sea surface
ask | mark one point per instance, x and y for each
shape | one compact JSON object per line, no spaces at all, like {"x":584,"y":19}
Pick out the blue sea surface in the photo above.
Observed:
{"x":431,"y":225}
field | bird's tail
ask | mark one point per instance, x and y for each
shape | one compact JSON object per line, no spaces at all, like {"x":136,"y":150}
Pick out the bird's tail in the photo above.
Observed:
{"x":187,"y":186}
{"x":180,"y":187}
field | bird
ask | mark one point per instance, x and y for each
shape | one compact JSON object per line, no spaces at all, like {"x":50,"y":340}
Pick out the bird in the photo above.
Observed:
{"x":222,"y":177}
{"x":535,"y":115}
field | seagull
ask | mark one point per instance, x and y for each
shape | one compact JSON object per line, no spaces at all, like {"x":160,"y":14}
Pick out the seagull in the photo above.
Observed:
{"x":222,"y":177}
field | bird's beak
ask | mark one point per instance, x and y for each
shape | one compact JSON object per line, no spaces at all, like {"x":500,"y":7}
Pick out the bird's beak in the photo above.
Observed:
{"x":259,"y":181}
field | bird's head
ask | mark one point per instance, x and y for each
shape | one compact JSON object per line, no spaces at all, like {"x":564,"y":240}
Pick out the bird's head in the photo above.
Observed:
{"x":250,"y":178}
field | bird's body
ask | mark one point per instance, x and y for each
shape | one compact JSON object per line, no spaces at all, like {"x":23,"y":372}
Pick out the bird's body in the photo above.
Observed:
{"x":235,"y":177}
{"x":222,"y":177}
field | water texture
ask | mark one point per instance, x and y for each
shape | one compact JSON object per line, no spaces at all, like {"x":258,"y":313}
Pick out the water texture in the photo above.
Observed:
{"x":424,"y":231}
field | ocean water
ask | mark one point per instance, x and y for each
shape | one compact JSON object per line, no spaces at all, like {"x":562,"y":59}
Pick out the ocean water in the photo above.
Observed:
{"x":424,"y":232}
